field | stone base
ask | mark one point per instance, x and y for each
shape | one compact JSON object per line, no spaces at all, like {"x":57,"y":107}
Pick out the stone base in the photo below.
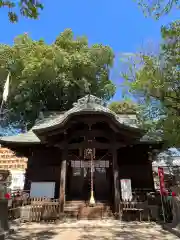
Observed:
{"x":4,"y":226}
{"x":81,"y":210}
{"x":2,"y":236}
{"x":154,"y":212}
{"x":172,"y":230}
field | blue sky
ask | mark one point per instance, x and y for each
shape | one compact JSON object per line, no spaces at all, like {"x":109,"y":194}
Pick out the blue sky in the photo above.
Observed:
{"x":119,"y":24}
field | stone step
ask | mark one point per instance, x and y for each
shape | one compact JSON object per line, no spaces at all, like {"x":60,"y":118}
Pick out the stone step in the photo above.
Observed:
{"x":70,"y":209}
{"x":74,"y":203}
{"x":82,"y":210}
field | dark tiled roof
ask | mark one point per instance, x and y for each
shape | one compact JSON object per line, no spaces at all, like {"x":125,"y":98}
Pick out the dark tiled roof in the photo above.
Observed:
{"x":28,"y":137}
{"x":152,"y":137}
{"x":88,"y":104}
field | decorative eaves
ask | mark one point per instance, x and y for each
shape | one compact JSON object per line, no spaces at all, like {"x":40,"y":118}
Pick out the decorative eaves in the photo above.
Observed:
{"x":89,"y":103}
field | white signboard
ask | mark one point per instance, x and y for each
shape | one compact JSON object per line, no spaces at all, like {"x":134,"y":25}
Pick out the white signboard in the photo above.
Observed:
{"x":42,"y":189}
{"x":17,"y":182}
{"x":126,"y":190}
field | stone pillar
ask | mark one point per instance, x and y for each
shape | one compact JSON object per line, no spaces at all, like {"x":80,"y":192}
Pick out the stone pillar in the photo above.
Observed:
{"x":62,"y":190}
{"x":116,"y":181}
{"x":3,"y":215}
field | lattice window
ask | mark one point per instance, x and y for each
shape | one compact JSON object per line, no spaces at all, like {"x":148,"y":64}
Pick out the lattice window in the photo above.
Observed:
{"x":76,"y":171}
{"x":101,"y":169}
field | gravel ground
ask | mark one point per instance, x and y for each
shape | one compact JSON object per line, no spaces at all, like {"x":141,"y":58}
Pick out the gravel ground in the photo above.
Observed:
{"x":91,"y":230}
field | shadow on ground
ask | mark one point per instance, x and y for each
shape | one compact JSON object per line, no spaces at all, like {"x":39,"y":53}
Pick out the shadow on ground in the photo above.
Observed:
{"x":89,"y":230}
{"x":129,"y":233}
{"x":22,"y":234}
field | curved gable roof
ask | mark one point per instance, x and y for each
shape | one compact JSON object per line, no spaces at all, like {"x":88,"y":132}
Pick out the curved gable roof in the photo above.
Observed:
{"x":85,"y":105}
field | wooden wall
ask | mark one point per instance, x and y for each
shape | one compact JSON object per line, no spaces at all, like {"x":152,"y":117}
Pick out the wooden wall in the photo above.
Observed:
{"x":134,"y":164}
{"x":43,"y":165}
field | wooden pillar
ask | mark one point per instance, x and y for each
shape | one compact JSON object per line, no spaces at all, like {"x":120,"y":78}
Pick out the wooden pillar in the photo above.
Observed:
{"x":116,"y":181}
{"x":62,"y":190}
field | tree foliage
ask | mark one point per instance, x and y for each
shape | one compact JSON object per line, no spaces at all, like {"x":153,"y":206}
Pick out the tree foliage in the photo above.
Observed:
{"x":123,"y":107}
{"x":31,"y":8}
{"x":158,"y":8}
{"x":54,"y":76}
{"x":9,"y":130}
{"x":26,"y":8}
{"x":155,"y":81}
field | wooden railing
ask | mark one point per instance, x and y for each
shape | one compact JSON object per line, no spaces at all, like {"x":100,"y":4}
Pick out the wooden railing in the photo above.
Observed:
{"x":35,"y":209}
{"x":130,"y":209}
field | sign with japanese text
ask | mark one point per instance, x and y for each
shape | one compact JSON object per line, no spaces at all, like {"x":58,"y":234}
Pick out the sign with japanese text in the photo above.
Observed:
{"x":87,"y":164}
{"x":126,"y":190}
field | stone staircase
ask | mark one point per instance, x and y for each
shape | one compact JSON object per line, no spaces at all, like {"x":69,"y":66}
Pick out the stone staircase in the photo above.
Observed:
{"x":81,"y":210}
{"x":72,"y":208}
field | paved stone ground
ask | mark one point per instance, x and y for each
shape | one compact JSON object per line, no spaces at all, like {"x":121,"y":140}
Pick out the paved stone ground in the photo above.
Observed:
{"x":91,"y":230}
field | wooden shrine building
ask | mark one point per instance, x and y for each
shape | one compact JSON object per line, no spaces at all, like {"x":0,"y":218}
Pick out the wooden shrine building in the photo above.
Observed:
{"x":66,"y":148}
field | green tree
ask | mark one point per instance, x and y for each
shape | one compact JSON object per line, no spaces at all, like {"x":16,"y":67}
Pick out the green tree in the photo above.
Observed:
{"x":155,"y":81}
{"x":27,"y":8}
{"x":31,"y":8}
{"x":124,"y":107}
{"x":54,"y":76}
{"x":158,"y":8}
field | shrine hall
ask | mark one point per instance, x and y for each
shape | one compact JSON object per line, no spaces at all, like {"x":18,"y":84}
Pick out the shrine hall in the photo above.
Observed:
{"x":87,"y":148}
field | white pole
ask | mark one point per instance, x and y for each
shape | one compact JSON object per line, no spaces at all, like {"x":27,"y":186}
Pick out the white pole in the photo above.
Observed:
{"x":92,"y":200}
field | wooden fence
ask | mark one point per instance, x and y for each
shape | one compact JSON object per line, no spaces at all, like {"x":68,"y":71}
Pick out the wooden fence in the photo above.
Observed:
{"x":35,"y":209}
{"x":137,"y":210}
{"x":45,"y":209}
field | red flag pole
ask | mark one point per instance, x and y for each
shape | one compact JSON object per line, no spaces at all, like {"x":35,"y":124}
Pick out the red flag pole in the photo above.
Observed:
{"x":162,"y":189}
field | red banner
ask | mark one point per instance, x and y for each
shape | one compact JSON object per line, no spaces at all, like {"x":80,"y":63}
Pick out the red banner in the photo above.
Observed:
{"x":161,"y":181}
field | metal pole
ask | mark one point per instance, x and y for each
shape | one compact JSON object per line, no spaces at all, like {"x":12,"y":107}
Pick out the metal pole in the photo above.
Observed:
{"x":162,"y":204}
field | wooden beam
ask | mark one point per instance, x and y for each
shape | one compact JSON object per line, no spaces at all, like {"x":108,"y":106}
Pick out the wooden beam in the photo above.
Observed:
{"x":85,"y":144}
{"x":62,"y":184}
{"x":114,"y":126}
{"x":80,"y":118}
{"x":94,"y":118}
{"x":91,"y":134}
{"x":108,"y":134}
{"x":94,"y":144}
{"x":62,"y":189}
{"x":115,"y":170}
